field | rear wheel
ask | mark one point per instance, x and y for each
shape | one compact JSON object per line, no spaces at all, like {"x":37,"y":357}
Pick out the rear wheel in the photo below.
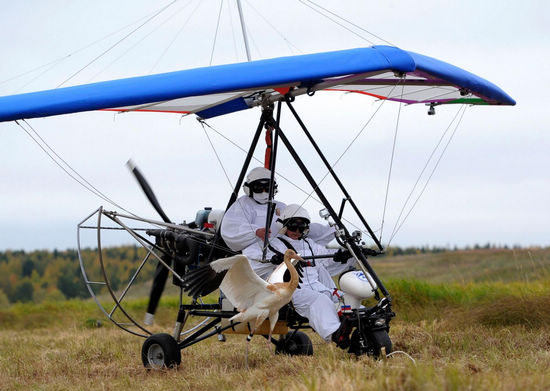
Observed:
{"x":295,"y":344}
{"x":371,"y":343}
{"x":160,"y":351}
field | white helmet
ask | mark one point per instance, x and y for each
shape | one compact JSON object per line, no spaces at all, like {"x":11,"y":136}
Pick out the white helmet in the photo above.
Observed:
{"x":289,"y":212}
{"x":258,"y":174}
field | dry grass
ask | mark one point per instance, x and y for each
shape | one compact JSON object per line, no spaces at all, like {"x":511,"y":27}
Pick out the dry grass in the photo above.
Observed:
{"x":454,"y":352}
{"x":464,"y":336}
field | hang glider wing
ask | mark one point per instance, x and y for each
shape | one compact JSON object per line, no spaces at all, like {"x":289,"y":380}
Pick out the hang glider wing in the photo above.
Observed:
{"x":384,"y":72}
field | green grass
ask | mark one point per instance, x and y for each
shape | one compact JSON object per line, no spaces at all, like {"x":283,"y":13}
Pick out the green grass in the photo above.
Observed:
{"x":464,"y":266}
{"x":485,"y":331}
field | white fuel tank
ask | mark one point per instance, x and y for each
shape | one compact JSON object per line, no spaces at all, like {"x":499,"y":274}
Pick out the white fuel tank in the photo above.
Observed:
{"x":357,"y":286}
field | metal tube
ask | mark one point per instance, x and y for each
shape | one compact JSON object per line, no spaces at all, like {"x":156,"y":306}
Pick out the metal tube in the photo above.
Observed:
{"x":359,"y":255}
{"x":272,"y":162}
{"x":329,"y":167}
{"x":108,"y":284}
{"x":243,"y":27}
{"x":159,"y":223}
{"x":248,"y":158}
{"x":240,"y":180}
{"x":310,"y":179}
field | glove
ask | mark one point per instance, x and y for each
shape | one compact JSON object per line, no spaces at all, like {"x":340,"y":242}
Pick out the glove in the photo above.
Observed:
{"x":277,"y":259}
{"x":341,"y":256}
{"x":367,"y":252}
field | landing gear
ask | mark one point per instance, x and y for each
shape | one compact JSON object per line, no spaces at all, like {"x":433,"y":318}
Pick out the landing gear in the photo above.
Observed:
{"x":160,"y":351}
{"x":376,"y":343}
{"x":295,"y":344}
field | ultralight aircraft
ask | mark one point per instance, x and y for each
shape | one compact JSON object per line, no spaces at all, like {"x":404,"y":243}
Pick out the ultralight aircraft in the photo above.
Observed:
{"x":385,"y":73}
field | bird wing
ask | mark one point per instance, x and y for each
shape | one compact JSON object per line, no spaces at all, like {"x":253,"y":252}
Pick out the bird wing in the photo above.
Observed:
{"x":202,"y":281}
{"x":207,"y":279}
{"x":241,"y":285}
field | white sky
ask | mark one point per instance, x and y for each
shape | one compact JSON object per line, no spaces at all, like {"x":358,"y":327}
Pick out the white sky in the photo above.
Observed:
{"x":491,"y":186}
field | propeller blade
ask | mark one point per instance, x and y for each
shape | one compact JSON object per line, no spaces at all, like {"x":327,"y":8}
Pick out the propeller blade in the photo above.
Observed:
{"x":147,"y":190}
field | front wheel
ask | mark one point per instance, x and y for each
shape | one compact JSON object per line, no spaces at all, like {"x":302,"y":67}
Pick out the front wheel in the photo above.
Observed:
{"x":371,"y":343}
{"x":160,"y":351}
{"x":295,"y":344}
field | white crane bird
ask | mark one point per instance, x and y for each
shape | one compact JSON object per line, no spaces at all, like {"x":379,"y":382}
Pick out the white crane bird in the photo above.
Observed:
{"x":255,"y":299}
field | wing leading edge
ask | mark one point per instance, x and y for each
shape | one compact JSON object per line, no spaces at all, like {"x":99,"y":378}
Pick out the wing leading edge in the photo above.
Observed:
{"x":217,"y":90}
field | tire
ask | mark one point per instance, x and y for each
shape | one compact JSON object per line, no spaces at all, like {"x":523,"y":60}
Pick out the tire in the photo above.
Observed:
{"x":295,"y":344}
{"x":375,"y":340}
{"x":160,"y":351}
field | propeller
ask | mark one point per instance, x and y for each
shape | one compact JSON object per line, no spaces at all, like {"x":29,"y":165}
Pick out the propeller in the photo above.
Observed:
{"x":147,"y":190}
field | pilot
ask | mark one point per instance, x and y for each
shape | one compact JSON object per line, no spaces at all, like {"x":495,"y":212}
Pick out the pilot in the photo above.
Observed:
{"x":243,"y":225}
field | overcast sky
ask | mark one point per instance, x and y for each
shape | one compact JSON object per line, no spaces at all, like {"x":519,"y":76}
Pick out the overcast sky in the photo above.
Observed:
{"x":492,"y":184}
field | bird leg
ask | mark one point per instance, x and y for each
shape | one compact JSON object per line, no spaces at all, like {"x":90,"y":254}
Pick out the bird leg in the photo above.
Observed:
{"x":259,"y":320}
{"x":248,"y":339}
{"x":272,"y":322}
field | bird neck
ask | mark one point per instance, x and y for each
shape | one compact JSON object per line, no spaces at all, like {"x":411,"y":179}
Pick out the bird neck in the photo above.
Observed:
{"x":294,"y":277}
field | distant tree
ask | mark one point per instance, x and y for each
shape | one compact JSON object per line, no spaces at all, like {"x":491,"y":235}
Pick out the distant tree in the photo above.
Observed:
{"x":23,"y":292}
{"x":4,"y":301}
{"x":71,"y":284}
{"x":27,"y":268}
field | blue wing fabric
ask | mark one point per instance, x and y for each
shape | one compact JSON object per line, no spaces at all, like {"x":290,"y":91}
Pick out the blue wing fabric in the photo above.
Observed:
{"x":222,"y":89}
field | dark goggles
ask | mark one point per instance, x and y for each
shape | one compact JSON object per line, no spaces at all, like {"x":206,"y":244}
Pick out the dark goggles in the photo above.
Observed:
{"x":297,"y":225}
{"x":260,"y":186}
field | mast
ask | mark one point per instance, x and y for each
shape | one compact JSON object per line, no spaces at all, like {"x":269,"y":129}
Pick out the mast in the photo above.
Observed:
{"x":245,"y":37}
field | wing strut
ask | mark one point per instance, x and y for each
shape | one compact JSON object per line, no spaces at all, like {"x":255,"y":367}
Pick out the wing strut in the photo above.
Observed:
{"x":347,"y":238}
{"x":329,"y":167}
{"x":266,"y":113}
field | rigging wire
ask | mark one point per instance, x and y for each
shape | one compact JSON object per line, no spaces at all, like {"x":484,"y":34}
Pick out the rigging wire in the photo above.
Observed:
{"x":289,"y":44}
{"x":431,"y":174}
{"x":175,"y":37}
{"x":217,"y":155}
{"x":203,"y":123}
{"x":310,"y":194}
{"x":391,"y":160}
{"x":66,"y":167}
{"x":229,"y":12}
{"x":351,"y":23}
{"x":424,"y":169}
{"x":260,"y":55}
{"x":70,"y":54}
{"x":148,"y":35}
{"x":53,"y":64}
{"x":117,"y":43}
{"x":345,"y":151}
{"x":336,"y":22}
{"x":216,"y":33}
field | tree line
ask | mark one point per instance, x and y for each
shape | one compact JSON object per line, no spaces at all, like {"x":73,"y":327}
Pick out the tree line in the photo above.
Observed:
{"x":41,"y":275}
{"x":45,"y":275}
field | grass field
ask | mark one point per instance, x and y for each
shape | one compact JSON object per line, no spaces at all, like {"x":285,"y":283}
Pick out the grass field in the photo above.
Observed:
{"x":476,"y":320}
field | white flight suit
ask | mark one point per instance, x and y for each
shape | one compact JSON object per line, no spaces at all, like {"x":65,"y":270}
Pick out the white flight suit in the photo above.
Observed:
{"x":316,"y":298}
{"x":245,"y":216}
{"x":239,"y":226}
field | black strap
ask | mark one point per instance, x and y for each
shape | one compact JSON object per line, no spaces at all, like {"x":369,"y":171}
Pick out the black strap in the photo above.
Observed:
{"x":287,"y":244}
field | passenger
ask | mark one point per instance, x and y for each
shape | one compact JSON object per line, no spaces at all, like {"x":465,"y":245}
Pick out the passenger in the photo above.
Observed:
{"x":243,"y":225}
{"x":318,"y":297}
